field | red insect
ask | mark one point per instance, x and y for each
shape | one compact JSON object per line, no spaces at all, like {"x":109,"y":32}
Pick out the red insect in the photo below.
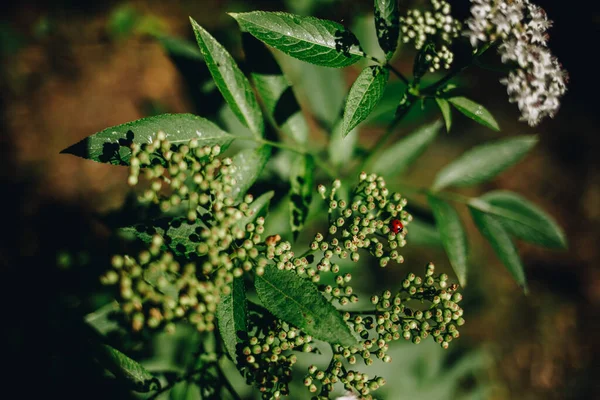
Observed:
{"x":396,"y":226}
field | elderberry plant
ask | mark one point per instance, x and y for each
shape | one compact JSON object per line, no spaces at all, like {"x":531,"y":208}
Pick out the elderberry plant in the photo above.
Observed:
{"x":201,"y":256}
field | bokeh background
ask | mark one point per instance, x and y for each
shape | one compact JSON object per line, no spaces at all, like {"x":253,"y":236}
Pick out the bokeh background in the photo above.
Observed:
{"x":72,"y":68}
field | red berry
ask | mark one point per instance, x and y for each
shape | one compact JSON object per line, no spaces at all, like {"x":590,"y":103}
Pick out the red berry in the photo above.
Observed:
{"x":396,"y":226}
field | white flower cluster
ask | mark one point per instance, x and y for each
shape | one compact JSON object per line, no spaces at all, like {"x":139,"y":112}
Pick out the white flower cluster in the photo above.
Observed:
{"x":437,"y":28}
{"x":539,"y":81}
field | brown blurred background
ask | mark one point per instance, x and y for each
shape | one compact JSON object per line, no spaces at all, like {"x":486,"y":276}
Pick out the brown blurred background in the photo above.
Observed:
{"x":72,"y":68}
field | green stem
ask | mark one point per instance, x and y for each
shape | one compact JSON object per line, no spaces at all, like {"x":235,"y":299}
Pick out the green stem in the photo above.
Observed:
{"x":398,"y":74}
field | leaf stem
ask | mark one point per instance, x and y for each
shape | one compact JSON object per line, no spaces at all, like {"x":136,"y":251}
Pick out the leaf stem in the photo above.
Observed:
{"x":398,"y":74}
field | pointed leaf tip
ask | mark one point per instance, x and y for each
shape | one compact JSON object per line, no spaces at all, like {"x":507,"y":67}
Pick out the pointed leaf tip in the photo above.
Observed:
{"x":112,"y":145}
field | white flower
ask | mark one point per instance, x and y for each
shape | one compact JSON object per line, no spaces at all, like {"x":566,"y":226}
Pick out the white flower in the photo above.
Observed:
{"x":538,"y":81}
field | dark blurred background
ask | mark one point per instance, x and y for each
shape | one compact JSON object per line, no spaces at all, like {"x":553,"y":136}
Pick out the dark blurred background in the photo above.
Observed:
{"x":72,"y":68}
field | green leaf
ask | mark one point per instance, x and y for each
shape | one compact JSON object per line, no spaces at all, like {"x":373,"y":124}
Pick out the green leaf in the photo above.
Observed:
{"x":301,"y":181}
{"x":256,"y":209}
{"x":299,"y":302}
{"x":181,"y":48}
{"x":341,"y":149}
{"x":423,"y":234}
{"x":112,"y":144}
{"x":387,"y":25}
{"x":249,"y":164}
{"x":129,"y":371}
{"x":364,"y":95}
{"x":446,"y":112}
{"x":453,"y":236}
{"x":232,"y":317}
{"x":309,"y":39}
{"x":522,"y":218}
{"x":274,"y":89}
{"x":476,"y":112}
{"x":499,"y":238}
{"x":484,"y":162}
{"x":404,"y":152}
{"x":182,"y":237}
{"x":230,"y":80}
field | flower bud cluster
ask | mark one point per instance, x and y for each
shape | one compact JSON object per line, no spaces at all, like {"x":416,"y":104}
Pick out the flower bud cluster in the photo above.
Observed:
{"x":374,"y":221}
{"x":440,"y":319}
{"x":156,"y":290}
{"x":220,"y":239}
{"x":167,"y":281}
{"x":432,"y":31}
{"x":538,"y":81}
{"x":182,"y":175}
{"x":323,"y":381}
{"x":266,"y":358}
{"x":395,"y":316}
